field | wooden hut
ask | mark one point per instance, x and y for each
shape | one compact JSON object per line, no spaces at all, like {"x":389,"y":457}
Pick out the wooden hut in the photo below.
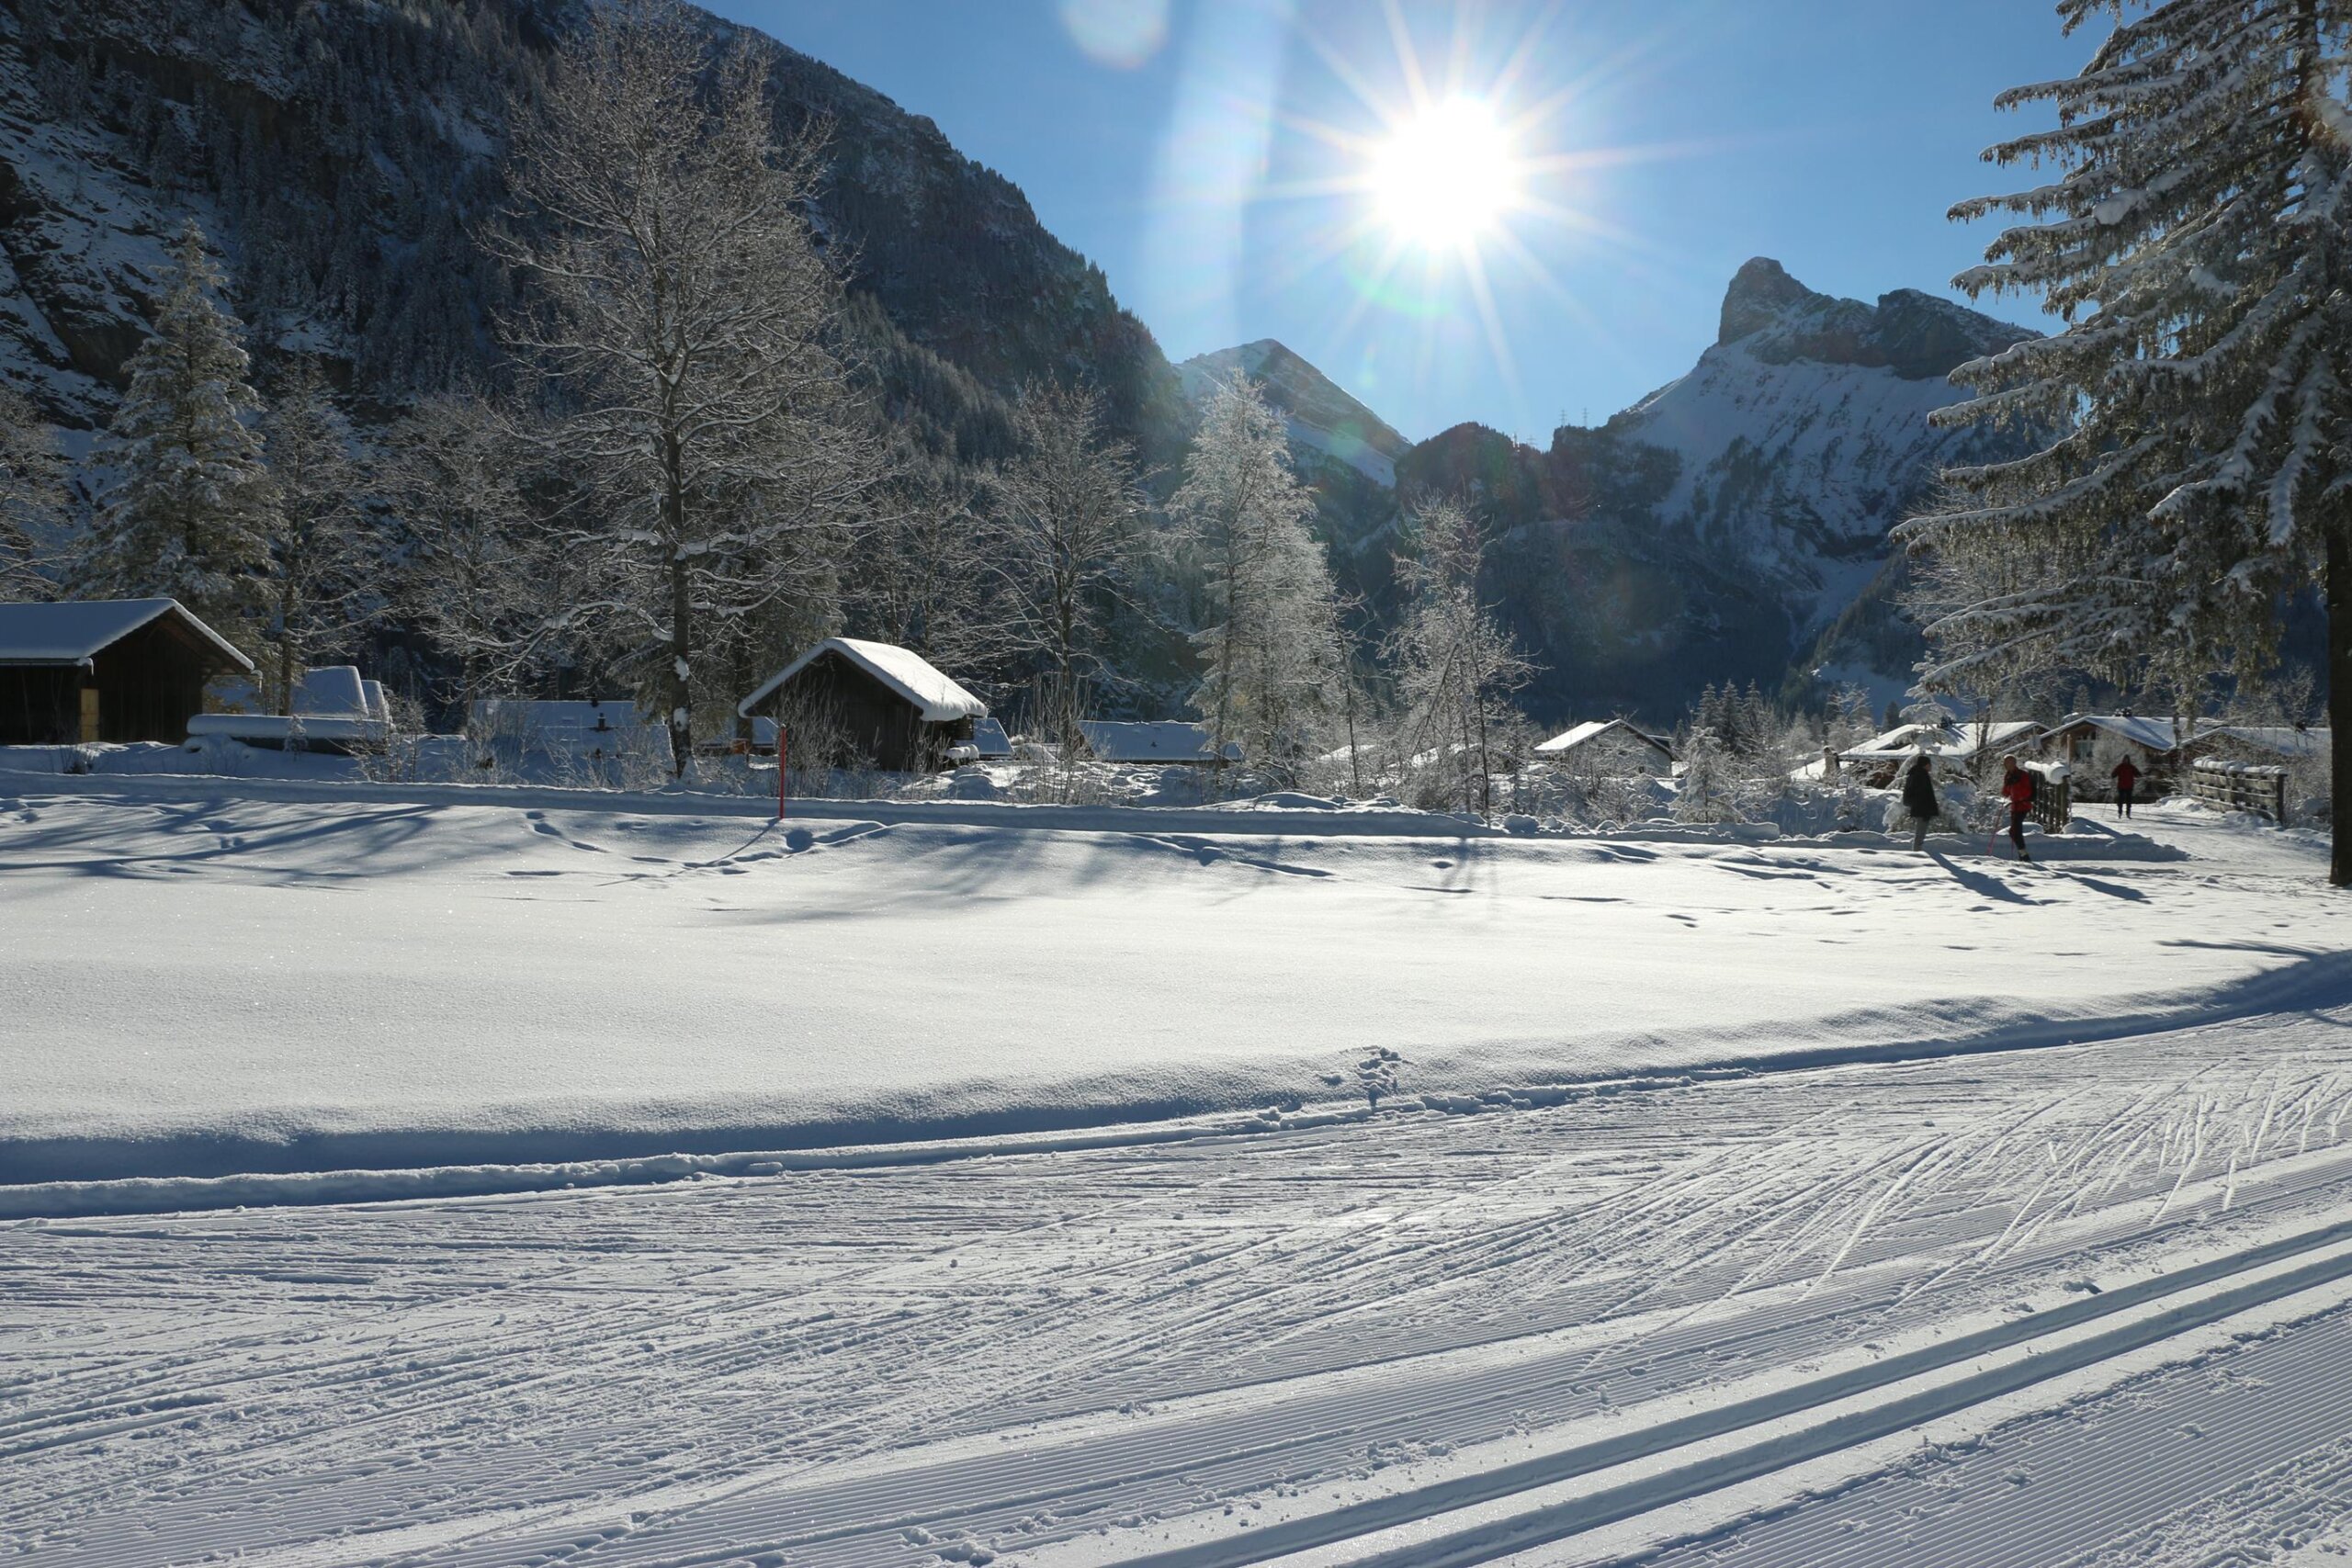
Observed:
{"x":93,"y":670}
{"x":1608,"y":748}
{"x":851,"y":702}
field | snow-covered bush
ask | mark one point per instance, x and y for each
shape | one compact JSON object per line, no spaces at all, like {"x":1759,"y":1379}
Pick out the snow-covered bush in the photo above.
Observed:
{"x":1706,"y":792}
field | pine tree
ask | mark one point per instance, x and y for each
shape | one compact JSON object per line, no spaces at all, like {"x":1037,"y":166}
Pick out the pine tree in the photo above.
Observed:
{"x":320,"y":581}
{"x":1272,"y":653}
{"x":188,"y":507}
{"x":1704,"y":794}
{"x":33,"y":496}
{"x":2195,"y":470}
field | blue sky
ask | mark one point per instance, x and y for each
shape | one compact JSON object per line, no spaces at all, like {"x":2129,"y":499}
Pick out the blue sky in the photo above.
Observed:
{"x":1219,"y":158}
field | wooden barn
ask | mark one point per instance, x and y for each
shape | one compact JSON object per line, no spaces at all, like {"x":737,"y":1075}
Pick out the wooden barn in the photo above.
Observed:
{"x":1608,"y":748}
{"x":849,"y":702}
{"x":97,"y":670}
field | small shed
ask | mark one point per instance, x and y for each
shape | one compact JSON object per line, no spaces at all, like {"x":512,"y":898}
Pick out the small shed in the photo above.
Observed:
{"x":110,"y":670}
{"x":866,"y":702}
{"x":1610,"y":748}
{"x":1164,"y":743}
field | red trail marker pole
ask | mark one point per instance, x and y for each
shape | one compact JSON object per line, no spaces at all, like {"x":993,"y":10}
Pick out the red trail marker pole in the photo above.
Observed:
{"x":779,"y":772}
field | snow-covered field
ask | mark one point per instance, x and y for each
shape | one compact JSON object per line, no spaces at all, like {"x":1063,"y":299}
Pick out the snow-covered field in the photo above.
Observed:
{"x":221,"y":985}
{"x":1793,"y":1202}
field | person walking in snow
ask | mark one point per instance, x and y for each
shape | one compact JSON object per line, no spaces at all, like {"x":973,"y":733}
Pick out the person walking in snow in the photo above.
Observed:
{"x":2016,"y":788}
{"x":1920,"y":797}
{"x":2127,"y":775}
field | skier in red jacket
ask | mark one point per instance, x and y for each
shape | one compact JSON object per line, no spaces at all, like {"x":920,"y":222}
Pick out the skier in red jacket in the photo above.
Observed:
{"x":2127,"y":776}
{"x":2016,"y":788}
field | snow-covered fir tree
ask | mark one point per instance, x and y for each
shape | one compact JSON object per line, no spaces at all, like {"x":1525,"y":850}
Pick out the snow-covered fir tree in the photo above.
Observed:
{"x":681,"y":312}
{"x":321,"y":591}
{"x":1272,"y":648}
{"x":2196,"y":472}
{"x":34,"y":500}
{"x":1704,"y":794}
{"x":188,"y":505}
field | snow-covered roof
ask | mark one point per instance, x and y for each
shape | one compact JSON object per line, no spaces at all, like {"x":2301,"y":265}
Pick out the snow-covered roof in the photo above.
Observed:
{"x":1956,"y":742}
{"x":1592,"y":729}
{"x":910,"y":675}
{"x":2280,"y":740}
{"x":76,"y":629}
{"x":2148,"y":734}
{"x":1165,"y":741}
{"x":336,"y":690}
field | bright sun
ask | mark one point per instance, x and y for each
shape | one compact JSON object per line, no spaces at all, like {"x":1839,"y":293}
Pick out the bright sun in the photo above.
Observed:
{"x":1443,"y":179}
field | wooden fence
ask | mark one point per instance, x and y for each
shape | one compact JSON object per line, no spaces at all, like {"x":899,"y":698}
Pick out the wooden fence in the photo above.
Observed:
{"x":2053,"y":795}
{"x":2241,"y":787}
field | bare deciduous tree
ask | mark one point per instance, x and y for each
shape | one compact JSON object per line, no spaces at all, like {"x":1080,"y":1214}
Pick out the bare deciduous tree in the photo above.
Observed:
{"x":685,"y":322}
{"x":1274,"y":655}
{"x":1063,"y":542}
{"x":1454,"y":664}
{"x":468,"y":573}
{"x":34,"y":499}
{"x":321,"y":587}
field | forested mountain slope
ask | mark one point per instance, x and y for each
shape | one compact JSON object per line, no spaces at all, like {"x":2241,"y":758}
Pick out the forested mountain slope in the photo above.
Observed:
{"x":345,"y":158}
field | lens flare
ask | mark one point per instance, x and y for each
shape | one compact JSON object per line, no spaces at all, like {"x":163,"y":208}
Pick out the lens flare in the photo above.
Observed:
{"x":1444,"y":179}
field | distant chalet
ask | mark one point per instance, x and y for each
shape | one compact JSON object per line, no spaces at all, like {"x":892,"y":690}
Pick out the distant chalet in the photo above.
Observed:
{"x":105,"y":669}
{"x":1612,"y":747}
{"x":846,"y":702}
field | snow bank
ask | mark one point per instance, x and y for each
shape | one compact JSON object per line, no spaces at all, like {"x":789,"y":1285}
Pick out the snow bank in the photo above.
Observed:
{"x":210,"y":987}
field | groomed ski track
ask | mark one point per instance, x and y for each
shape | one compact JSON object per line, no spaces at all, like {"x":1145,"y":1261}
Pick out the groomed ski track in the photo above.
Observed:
{"x":1963,"y":1310}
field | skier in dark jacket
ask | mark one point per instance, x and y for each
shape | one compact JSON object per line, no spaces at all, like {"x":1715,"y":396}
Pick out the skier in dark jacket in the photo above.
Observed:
{"x":2016,"y":788}
{"x":2127,"y":778}
{"x":1919,"y":798}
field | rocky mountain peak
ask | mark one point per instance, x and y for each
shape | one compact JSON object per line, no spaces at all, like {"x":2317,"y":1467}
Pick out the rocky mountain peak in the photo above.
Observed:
{"x":1761,"y":291}
{"x":1916,"y":335}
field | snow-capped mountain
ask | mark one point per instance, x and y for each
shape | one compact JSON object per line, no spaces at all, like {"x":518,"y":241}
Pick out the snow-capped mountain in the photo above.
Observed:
{"x":1323,"y":419}
{"x":1802,"y":436}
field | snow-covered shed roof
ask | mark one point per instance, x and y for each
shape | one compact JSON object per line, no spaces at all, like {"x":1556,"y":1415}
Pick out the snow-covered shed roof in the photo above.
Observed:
{"x":1164,"y":740}
{"x":910,"y":675}
{"x":2279,"y":739}
{"x":75,"y":629}
{"x":336,"y":689}
{"x":1957,"y":741}
{"x":1593,"y":729}
{"x":2148,"y":734}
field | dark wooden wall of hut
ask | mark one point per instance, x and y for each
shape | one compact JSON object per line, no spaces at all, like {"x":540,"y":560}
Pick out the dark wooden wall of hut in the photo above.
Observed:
{"x":854,"y":717}
{"x":148,"y":685}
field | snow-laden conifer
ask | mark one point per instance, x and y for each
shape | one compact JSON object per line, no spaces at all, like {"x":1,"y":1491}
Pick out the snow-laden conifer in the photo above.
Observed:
{"x":2195,"y":469}
{"x":1272,"y":648}
{"x":466,"y":572}
{"x":189,"y":503}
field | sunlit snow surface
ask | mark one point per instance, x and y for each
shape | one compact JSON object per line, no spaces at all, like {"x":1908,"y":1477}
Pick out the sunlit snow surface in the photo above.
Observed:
{"x":1384,"y":1339}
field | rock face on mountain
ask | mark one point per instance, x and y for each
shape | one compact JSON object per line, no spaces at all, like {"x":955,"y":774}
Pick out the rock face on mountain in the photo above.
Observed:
{"x":1325,"y":424}
{"x":1731,"y":526}
{"x":345,"y":157}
